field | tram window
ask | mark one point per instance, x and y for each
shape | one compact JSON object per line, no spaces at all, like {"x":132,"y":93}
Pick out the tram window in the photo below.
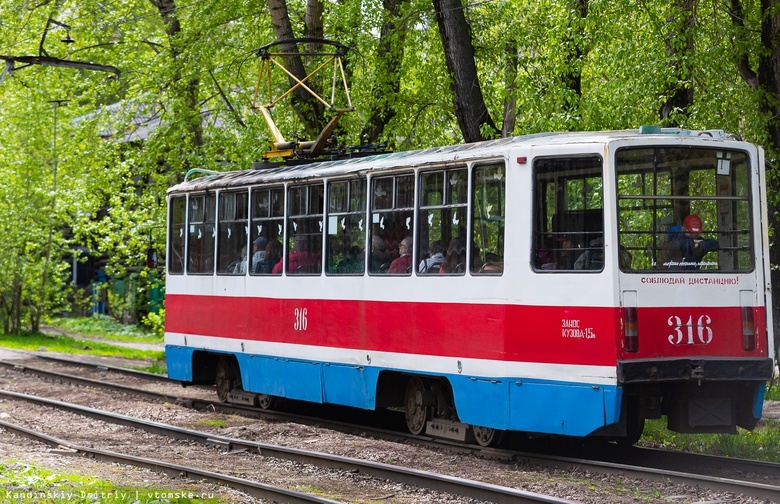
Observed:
{"x":568,"y":214}
{"x":232,"y":255}
{"x":200,"y":234}
{"x":346,"y":245}
{"x":441,"y":234}
{"x":487,"y":225}
{"x":266,"y":230}
{"x":392,"y":222}
{"x":178,"y":214}
{"x":659,"y":188}
{"x":304,"y":230}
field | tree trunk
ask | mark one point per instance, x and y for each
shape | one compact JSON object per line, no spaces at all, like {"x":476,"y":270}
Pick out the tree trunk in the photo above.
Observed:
{"x":679,"y":48}
{"x":574,"y":46}
{"x":387,"y":72}
{"x":510,"y":98}
{"x":766,"y":80}
{"x":309,"y":110}
{"x":470,"y":108}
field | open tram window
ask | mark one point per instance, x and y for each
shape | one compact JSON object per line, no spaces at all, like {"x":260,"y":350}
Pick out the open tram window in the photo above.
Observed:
{"x":232,"y":254}
{"x":442,"y":222}
{"x":178,"y":216}
{"x":568,"y":214}
{"x":266,"y":230}
{"x":684,"y":209}
{"x":392,"y":222}
{"x":346,"y":245}
{"x":304,"y":230}
{"x":487,"y":224}
{"x":200,"y":234}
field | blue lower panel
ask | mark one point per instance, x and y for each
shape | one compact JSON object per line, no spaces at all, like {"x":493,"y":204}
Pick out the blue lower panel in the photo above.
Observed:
{"x":758,"y":399}
{"x":561,"y":408}
{"x":350,"y":385}
{"x":572,"y":409}
{"x":178,"y":360}
{"x":293,"y":379}
{"x":481,"y":401}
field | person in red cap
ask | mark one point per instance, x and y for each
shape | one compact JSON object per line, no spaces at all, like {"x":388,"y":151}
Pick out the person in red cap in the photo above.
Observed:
{"x":687,"y":246}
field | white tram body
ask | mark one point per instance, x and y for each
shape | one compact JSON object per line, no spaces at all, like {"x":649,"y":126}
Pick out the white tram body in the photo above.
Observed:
{"x":543,"y":292}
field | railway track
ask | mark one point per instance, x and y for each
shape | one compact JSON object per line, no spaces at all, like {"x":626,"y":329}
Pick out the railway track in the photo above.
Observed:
{"x":422,"y":479}
{"x":253,"y":488}
{"x":658,"y":470}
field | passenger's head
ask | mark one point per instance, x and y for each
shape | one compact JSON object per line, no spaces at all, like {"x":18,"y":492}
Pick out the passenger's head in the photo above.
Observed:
{"x":457,"y":247}
{"x":692,"y":224}
{"x":259,"y":243}
{"x":405,"y":247}
{"x":377,"y":243}
{"x":273,"y":248}
{"x":300,"y":243}
{"x":436,"y":247}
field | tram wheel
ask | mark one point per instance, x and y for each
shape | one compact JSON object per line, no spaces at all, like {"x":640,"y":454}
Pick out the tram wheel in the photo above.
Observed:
{"x":266,"y":401}
{"x":487,"y":436}
{"x":227,"y":378}
{"x":416,"y":412}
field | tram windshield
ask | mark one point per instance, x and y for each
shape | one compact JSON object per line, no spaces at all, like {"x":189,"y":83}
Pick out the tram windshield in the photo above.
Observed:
{"x":684,"y":209}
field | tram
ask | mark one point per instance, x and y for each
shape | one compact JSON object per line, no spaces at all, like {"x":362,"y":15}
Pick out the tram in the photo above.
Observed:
{"x":557,"y":284}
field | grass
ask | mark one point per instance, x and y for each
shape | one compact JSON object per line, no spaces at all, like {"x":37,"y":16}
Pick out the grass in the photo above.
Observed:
{"x":22,"y":484}
{"x":106,"y":328}
{"x":773,"y":390}
{"x":66,"y":344}
{"x":763,"y":443}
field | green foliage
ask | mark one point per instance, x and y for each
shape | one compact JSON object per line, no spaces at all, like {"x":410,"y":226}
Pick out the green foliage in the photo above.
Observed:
{"x":156,"y":322}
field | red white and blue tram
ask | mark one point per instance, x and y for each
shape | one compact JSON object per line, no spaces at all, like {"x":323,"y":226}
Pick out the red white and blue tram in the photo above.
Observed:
{"x":569,"y":284}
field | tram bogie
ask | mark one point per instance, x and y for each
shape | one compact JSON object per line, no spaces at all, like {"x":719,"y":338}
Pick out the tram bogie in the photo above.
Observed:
{"x":562,"y":284}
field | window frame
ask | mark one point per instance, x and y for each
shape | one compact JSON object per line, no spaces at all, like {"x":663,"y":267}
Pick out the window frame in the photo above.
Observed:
{"x":206,"y":196}
{"x":270,"y":217}
{"x":183,"y":235}
{"x":346,"y":213}
{"x":315,"y":261}
{"x":225,"y":196}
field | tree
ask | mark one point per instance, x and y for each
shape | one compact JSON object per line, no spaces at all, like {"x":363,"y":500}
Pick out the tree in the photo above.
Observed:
{"x":470,"y":108}
{"x":764,"y":78}
{"x":679,"y":47}
{"x":387,"y":72}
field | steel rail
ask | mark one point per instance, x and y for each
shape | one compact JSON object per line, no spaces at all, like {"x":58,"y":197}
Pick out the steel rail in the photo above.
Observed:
{"x":422,"y":479}
{"x":754,"y":489}
{"x":254,"y":488}
{"x":95,"y":365}
{"x":88,"y":381}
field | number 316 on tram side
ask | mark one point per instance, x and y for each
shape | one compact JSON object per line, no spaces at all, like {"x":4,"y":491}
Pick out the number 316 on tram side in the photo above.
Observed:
{"x":564,"y":284}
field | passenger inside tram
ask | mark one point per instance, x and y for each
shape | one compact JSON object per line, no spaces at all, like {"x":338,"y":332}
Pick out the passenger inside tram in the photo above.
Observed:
{"x":432,"y":263}
{"x":455,"y":260}
{"x":403,"y":263}
{"x":273,"y":256}
{"x":687,"y":248}
{"x":379,"y":255}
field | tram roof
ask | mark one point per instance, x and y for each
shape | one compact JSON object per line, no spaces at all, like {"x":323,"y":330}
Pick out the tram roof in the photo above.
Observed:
{"x":417,"y":158}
